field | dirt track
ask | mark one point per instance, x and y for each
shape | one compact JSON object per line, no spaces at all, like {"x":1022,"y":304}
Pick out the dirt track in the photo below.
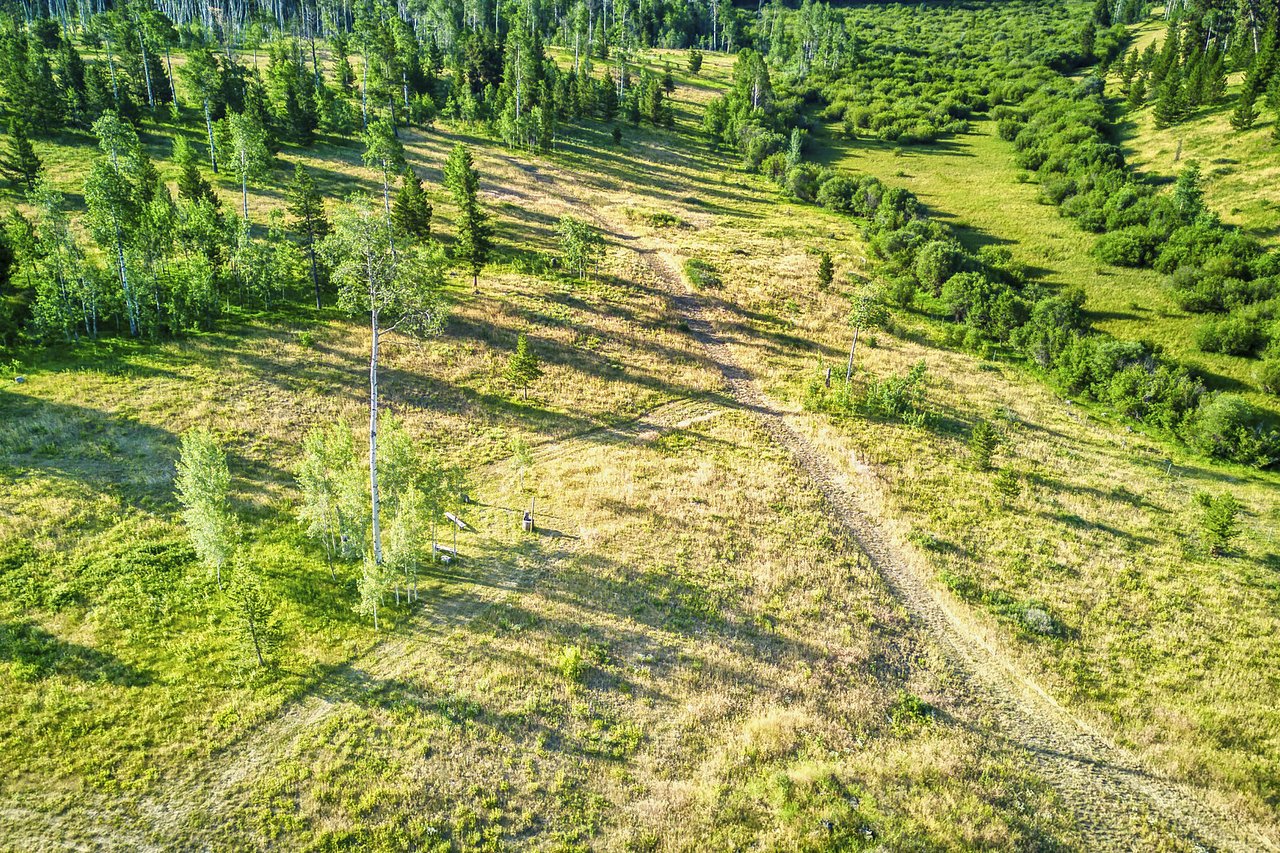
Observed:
{"x":1119,"y":806}
{"x":1117,"y":803}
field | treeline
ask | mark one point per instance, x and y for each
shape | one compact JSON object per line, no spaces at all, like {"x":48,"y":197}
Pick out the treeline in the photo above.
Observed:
{"x":159,"y":263}
{"x":889,"y":83}
{"x":1061,"y":135}
{"x":502,"y":78}
{"x":994,"y":302}
{"x":1060,"y":130}
{"x":1177,"y":79}
{"x":585,"y":26}
{"x":1205,"y":40}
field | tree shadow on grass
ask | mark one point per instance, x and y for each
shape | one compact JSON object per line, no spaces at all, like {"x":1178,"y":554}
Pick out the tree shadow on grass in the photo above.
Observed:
{"x":39,"y":654}
{"x":109,"y":453}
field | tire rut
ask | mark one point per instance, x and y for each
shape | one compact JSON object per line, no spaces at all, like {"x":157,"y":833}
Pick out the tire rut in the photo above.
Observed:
{"x":1116,"y":802}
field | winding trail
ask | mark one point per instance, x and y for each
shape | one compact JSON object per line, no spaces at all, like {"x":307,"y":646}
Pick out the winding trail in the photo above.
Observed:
{"x":1117,"y":803}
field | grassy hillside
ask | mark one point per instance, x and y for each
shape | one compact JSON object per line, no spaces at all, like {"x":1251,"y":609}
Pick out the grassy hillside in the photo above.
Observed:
{"x":688,"y":648}
{"x":972,"y":183}
{"x":1240,"y":168}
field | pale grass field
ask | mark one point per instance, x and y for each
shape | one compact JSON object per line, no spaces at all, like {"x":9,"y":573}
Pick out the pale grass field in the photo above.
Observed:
{"x":727,"y":700}
{"x":1167,"y":649}
{"x":744,"y":676}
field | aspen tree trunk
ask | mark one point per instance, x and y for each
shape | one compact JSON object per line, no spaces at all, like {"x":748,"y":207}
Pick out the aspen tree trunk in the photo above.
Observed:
{"x":373,"y":430}
{"x":130,"y":309}
{"x":173,"y":86}
{"x":315,"y":273}
{"x":110,"y":64}
{"x":364,"y":90}
{"x":848,"y":372}
{"x":146,"y":72}
{"x":208,"y":125}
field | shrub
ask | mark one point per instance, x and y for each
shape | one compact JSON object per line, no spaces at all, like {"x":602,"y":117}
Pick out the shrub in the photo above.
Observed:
{"x":837,"y":194}
{"x":1128,"y":247}
{"x":1218,"y":522}
{"x":802,"y":181}
{"x":1229,"y":427}
{"x":901,"y":291}
{"x":1234,"y":334}
{"x":1268,"y":374}
{"x":701,"y":274}
{"x":937,"y":261}
{"x":572,"y":663}
{"x":982,"y":444}
{"x":898,"y":397}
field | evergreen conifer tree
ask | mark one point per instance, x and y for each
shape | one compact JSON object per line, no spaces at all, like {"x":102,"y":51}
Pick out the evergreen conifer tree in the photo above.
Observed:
{"x":306,"y":206}
{"x":411,"y":211}
{"x":19,"y":163}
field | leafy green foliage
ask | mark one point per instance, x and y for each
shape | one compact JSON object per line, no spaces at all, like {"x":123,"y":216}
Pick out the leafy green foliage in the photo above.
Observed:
{"x":250,"y":159}
{"x":202,"y":485}
{"x":581,"y":245}
{"x":1229,"y":427}
{"x":1219,"y":521}
{"x":700,"y":274}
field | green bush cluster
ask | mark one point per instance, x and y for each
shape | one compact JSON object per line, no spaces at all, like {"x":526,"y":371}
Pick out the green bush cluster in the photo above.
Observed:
{"x":1062,"y":135}
{"x":989,"y":296}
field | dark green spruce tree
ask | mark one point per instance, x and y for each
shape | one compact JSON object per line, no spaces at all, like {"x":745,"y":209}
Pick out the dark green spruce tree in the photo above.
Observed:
{"x":19,"y":162}
{"x":411,"y":210}
{"x":306,"y":206}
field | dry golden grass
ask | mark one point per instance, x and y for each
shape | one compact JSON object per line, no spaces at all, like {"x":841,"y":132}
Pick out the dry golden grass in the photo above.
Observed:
{"x":690,"y":655}
{"x":1164,"y":646}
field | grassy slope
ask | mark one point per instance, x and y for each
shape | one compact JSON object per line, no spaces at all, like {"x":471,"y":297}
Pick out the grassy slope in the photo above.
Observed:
{"x":1240,"y":170}
{"x":701,"y":577}
{"x":1167,"y":649}
{"x":971,"y":181}
{"x":742,"y":671}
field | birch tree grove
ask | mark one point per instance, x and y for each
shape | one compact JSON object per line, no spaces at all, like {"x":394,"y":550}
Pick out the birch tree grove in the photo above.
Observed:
{"x":327,"y":454}
{"x":251,"y":159}
{"x":397,"y":291}
{"x":383,"y":149}
{"x":205,"y":79}
{"x":113,"y":206}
